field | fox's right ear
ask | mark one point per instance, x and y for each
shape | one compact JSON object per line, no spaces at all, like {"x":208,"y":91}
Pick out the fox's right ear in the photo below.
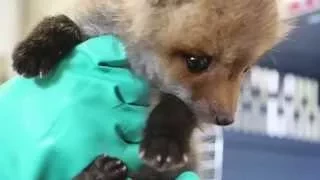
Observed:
{"x":164,"y":3}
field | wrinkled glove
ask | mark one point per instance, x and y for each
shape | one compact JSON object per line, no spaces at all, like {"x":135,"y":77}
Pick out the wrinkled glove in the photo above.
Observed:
{"x":53,"y":127}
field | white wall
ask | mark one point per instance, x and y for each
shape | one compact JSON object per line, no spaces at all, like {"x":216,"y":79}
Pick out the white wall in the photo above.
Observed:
{"x":37,"y":9}
{"x":10,"y":24}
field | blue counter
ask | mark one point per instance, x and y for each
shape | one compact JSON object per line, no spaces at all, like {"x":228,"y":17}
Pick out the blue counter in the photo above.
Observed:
{"x":255,"y":157}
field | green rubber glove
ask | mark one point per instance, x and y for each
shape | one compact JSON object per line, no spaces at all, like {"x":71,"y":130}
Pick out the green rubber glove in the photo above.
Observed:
{"x":189,"y":175}
{"x":52,"y":128}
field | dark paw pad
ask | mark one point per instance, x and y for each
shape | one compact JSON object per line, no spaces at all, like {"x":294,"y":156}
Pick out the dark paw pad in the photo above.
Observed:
{"x":163,"y":153}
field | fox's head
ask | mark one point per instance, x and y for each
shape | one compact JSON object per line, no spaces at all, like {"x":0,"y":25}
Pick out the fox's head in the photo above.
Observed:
{"x":204,"y":47}
{"x":199,"y":50}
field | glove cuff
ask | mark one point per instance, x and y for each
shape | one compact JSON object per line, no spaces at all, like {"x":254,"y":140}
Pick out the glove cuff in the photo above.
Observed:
{"x":189,"y":175}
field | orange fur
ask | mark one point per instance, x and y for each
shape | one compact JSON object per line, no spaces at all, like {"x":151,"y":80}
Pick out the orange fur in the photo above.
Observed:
{"x":236,"y":33}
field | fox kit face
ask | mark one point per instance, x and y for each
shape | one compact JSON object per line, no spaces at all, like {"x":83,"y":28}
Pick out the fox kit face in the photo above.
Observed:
{"x":207,"y":46}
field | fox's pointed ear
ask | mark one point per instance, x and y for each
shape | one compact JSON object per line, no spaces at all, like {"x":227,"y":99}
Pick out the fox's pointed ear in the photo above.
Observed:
{"x":164,"y":3}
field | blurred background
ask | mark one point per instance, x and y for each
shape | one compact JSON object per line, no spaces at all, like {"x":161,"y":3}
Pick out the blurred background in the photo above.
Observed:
{"x":277,"y":132}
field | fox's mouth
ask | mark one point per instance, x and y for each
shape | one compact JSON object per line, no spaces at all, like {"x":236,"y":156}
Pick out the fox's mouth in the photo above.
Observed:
{"x":205,"y":112}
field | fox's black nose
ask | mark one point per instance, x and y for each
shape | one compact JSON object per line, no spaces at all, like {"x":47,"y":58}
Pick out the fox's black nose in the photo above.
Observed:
{"x":224,"y":120}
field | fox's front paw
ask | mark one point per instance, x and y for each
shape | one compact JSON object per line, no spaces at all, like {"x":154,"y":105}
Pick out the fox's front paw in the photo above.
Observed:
{"x":105,"y":168}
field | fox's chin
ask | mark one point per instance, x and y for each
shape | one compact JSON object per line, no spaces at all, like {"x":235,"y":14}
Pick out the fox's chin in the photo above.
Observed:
{"x":203,"y":114}
{"x":206,"y":117}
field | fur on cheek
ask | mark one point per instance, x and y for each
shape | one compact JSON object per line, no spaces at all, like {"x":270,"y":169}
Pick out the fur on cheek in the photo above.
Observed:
{"x":144,"y":62}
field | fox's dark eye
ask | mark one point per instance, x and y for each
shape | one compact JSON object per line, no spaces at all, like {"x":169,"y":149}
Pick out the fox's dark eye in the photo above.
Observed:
{"x":197,"y":64}
{"x":246,"y":69}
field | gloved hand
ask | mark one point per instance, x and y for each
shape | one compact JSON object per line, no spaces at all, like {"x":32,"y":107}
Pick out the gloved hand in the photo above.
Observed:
{"x":92,"y":104}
